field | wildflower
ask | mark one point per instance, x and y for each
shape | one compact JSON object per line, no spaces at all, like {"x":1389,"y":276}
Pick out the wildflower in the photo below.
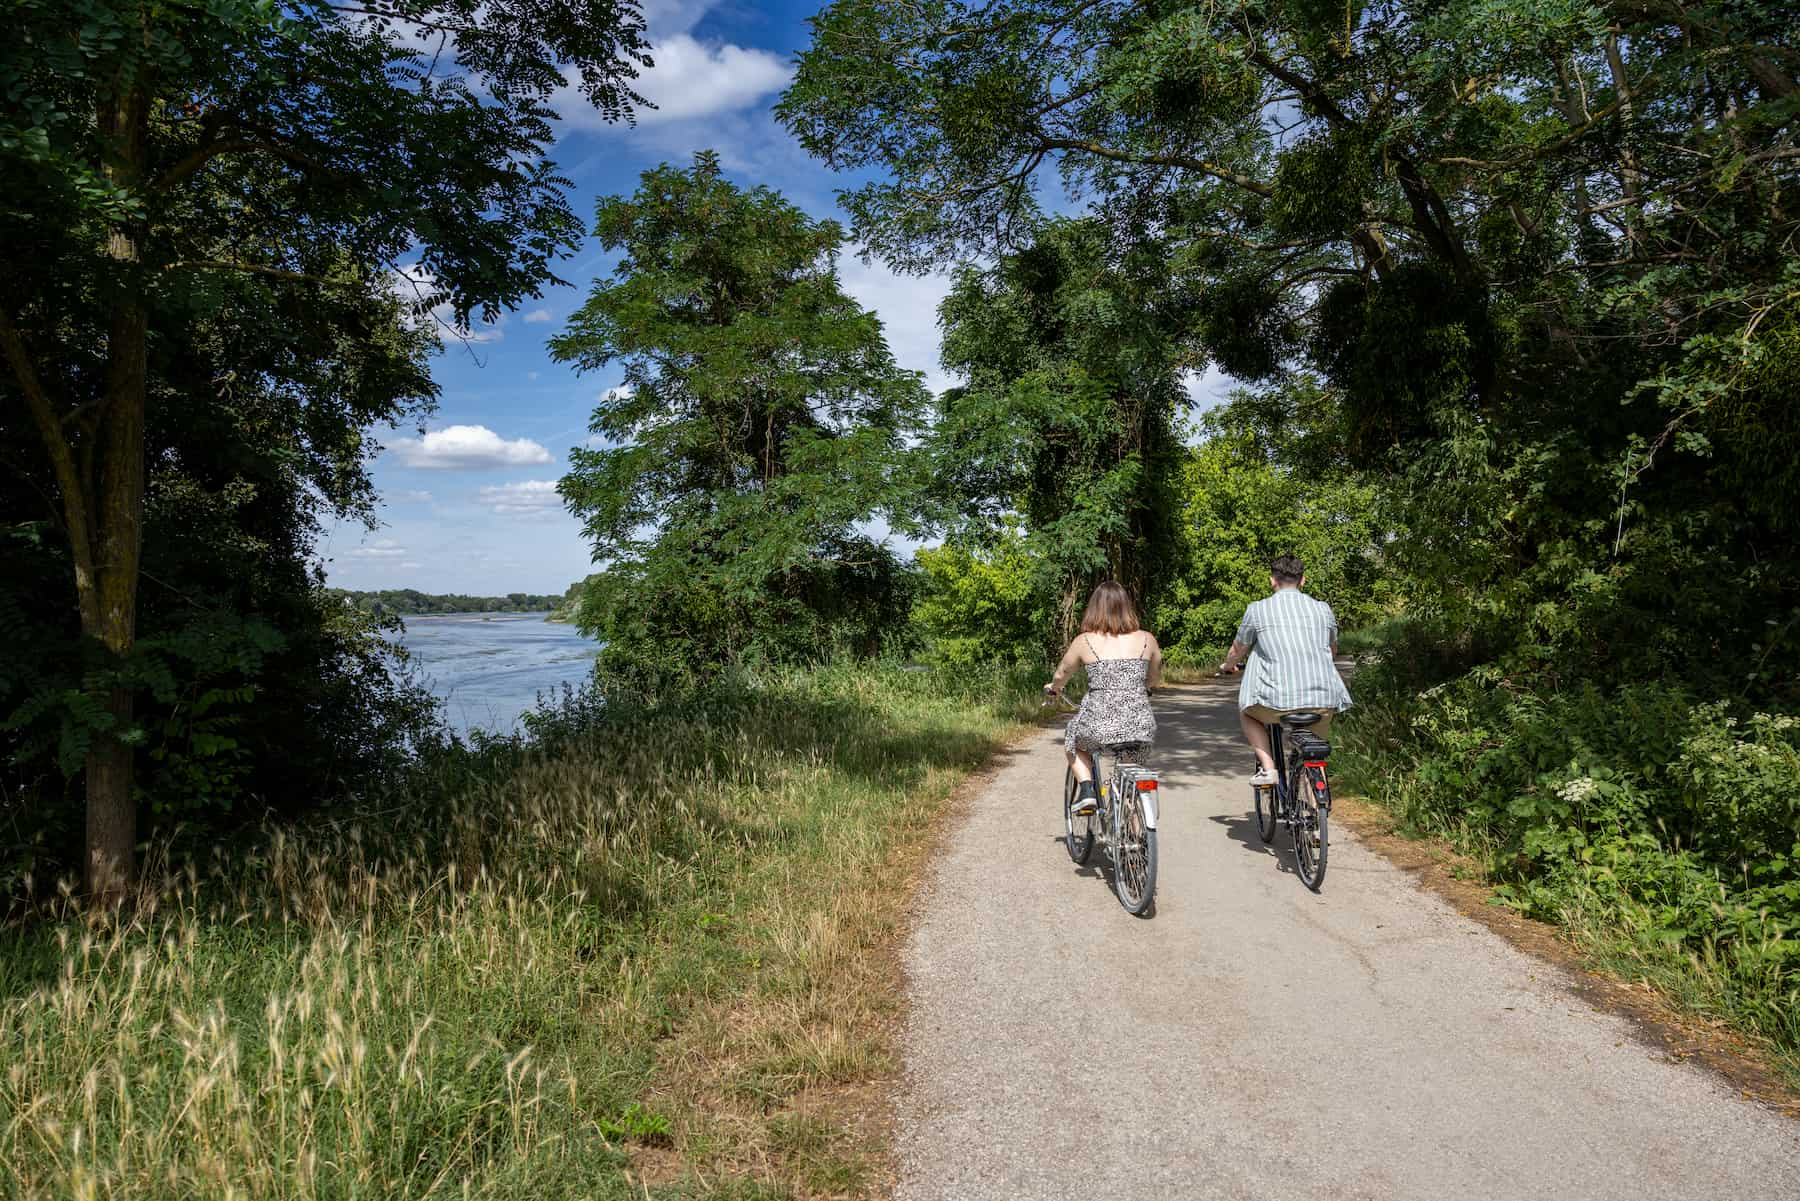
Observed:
{"x":1578,"y":790}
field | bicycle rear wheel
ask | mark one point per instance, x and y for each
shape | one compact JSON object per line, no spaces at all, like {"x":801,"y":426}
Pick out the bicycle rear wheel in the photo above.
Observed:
{"x":1312,"y":832}
{"x":1133,"y":853}
{"x":1081,"y":828}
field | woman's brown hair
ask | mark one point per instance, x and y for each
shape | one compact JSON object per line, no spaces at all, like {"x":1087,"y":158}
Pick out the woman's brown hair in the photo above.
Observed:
{"x":1110,"y":611}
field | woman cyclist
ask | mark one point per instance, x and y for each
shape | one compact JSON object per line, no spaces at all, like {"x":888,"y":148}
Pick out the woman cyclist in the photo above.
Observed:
{"x":1123,"y":663}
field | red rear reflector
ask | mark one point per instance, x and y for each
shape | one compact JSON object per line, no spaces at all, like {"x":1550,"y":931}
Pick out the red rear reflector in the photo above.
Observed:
{"x":1320,"y":765}
{"x":1146,"y":785}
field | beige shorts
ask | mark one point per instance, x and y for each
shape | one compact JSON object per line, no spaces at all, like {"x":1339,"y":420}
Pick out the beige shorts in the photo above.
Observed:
{"x":1265,"y":715}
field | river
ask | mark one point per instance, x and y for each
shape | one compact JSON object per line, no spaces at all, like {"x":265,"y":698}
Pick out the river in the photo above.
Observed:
{"x":488,"y":668}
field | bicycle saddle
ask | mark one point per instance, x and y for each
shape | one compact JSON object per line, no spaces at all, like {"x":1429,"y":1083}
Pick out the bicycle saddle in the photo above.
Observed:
{"x":1299,"y":721}
{"x":1124,"y":750}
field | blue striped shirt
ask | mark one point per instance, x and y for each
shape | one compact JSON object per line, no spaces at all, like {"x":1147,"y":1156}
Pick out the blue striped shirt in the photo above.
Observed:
{"x":1290,"y":636}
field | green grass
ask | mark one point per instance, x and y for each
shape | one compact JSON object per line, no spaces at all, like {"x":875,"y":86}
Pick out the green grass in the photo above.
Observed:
{"x":620,"y":967}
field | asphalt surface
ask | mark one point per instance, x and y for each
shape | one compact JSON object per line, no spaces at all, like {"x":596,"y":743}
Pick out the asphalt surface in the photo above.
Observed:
{"x":1251,"y":1039}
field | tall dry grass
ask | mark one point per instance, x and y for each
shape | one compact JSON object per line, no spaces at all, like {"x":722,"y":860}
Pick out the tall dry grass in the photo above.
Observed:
{"x":587,"y":968}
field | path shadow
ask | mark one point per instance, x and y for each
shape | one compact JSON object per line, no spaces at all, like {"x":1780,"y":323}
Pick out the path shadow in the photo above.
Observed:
{"x":1241,"y":829}
{"x":1098,"y":867}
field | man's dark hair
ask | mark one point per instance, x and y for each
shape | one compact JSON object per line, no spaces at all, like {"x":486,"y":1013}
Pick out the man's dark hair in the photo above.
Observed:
{"x":1286,"y":569}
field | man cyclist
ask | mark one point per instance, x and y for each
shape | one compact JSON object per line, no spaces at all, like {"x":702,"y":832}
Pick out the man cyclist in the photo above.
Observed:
{"x":1291,"y":642}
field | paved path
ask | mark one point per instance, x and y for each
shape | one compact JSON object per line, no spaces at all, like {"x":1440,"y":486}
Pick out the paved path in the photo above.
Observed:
{"x":1254,"y":1040}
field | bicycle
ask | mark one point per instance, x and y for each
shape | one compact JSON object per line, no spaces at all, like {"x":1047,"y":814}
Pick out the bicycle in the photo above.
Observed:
{"x":1282,"y":803}
{"x":1125,"y":812}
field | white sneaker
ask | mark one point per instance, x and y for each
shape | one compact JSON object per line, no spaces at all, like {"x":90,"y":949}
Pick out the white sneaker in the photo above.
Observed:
{"x":1264,"y":778}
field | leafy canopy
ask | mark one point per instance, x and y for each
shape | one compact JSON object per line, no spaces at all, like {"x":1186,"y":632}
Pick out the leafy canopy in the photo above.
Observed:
{"x":760,"y":422}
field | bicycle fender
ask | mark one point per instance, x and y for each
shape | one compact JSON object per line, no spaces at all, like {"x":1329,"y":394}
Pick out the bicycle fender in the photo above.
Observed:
{"x":1149,"y":799}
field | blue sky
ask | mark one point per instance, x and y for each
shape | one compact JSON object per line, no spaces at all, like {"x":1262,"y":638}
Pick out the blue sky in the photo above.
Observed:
{"x":471,"y":506}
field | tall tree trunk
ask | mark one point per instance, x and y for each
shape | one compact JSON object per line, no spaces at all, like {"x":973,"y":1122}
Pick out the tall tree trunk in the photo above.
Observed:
{"x":116,"y":510}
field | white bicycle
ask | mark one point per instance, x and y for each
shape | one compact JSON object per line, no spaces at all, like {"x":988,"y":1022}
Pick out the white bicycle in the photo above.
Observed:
{"x":1125,"y":815}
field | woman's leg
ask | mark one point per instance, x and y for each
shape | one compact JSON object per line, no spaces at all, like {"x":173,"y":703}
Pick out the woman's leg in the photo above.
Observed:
{"x":1083,"y":765}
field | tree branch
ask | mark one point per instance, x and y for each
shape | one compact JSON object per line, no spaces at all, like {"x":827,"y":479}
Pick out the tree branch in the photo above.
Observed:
{"x":56,"y":446}
{"x":1158,"y":160}
{"x":251,"y":268}
{"x":197,"y":158}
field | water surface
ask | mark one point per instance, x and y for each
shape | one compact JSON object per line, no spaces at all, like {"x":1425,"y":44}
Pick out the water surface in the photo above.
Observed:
{"x":488,"y":668}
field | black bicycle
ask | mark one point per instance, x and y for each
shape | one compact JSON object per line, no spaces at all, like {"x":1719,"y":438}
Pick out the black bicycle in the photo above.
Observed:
{"x":1300,"y":798}
{"x":1125,"y":812}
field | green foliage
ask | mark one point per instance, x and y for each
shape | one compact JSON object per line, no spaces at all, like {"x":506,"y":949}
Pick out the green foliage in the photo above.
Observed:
{"x":988,"y":604}
{"x":1238,"y":511}
{"x":760,"y":425}
{"x":567,"y":608}
{"x":636,"y":1124}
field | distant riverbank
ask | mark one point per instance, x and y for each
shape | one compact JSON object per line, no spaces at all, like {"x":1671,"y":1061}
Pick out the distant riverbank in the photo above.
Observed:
{"x":488,"y":668}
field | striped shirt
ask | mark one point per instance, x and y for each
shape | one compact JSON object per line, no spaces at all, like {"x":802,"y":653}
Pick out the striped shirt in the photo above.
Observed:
{"x":1290,"y":636}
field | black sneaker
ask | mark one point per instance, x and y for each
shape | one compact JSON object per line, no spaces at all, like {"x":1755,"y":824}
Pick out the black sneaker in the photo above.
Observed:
{"x":1085,"y":802}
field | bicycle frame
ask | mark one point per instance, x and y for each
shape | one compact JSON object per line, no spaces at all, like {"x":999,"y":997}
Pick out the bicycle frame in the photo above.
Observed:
{"x":1124,"y":773}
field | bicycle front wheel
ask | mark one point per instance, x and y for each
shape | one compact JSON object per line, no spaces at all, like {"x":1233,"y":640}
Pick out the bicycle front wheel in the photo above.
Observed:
{"x":1080,"y":840}
{"x":1265,"y":812}
{"x":1133,"y":853}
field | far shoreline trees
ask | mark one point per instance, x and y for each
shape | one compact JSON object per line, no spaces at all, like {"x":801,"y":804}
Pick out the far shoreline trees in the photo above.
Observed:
{"x":410,"y":602}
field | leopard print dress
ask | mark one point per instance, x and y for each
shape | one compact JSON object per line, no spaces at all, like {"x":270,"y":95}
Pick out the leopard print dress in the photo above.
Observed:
{"x":1116,"y":708}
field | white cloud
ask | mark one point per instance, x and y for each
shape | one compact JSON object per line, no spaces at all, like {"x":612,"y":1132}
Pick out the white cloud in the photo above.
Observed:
{"x":690,"y":79}
{"x":411,"y":565}
{"x":381,"y":548}
{"x":416,"y":496}
{"x":526,"y":498}
{"x":665,"y":17}
{"x":537,"y":315}
{"x":907,"y":306}
{"x":1209,"y":390}
{"x":468,"y":446}
{"x":531,"y":375}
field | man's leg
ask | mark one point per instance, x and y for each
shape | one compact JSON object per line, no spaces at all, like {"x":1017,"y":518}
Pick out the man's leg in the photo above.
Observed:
{"x":1257,"y":735}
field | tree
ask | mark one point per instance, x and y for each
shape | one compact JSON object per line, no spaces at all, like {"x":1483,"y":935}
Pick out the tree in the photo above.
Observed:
{"x":1065,"y":420}
{"x":169,"y":166}
{"x":759,"y":425}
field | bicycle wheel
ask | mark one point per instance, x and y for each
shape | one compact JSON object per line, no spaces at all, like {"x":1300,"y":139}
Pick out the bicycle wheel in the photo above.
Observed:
{"x":1312,"y":834}
{"x":1265,"y":813}
{"x":1133,"y":853}
{"x":1081,"y":829}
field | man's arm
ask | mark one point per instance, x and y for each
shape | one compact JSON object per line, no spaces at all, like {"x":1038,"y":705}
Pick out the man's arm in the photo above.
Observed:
{"x":1241,"y":645}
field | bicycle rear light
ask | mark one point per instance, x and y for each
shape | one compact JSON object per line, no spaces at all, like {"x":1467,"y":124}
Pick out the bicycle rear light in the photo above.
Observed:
{"x":1146,"y":785}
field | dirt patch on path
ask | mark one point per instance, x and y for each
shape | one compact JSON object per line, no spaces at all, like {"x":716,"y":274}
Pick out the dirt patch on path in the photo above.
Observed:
{"x":1439,"y":869}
